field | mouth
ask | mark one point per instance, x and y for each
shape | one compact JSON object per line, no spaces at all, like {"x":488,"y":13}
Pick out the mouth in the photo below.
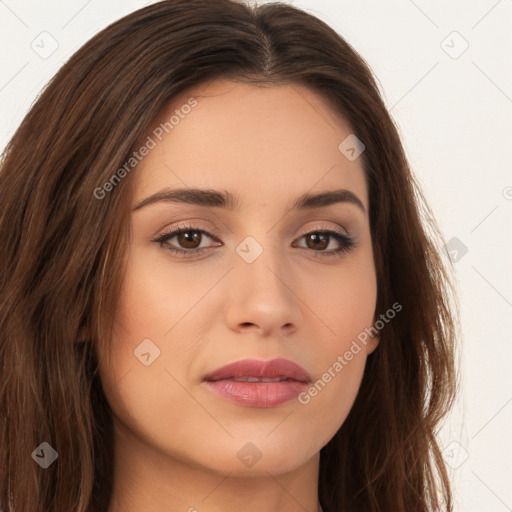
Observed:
{"x":256,"y":379}
{"x":260,"y":384}
{"x":265,"y":371}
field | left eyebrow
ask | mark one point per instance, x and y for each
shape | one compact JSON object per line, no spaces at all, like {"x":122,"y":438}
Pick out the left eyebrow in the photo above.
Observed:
{"x":323,"y":199}
{"x":225,"y":199}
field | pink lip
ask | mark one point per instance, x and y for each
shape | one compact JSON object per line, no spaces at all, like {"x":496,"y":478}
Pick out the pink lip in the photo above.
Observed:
{"x":259,"y":394}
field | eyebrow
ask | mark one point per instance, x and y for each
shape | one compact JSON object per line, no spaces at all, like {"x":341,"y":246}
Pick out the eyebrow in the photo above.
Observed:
{"x":225,"y":199}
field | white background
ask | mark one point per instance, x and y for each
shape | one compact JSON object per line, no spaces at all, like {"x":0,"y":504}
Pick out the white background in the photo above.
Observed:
{"x":454,"y":116}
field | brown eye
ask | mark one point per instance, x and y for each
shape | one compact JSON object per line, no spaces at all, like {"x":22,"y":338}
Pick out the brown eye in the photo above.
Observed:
{"x":186,"y":240}
{"x":318,"y":241}
{"x":189,"y":239}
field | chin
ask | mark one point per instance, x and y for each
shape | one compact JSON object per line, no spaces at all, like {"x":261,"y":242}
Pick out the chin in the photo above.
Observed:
{"x":259,"y":457}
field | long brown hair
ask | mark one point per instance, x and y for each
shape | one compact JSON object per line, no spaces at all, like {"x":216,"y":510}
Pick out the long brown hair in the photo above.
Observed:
{"x":63,"y":249}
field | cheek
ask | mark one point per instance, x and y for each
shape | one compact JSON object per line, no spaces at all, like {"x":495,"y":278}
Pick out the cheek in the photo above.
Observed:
{"x":152,"y":401}
{"x":345,"y":300}
{"x":333,"y":392}
{"x":149,"y":308}
{"x":157,"y":294}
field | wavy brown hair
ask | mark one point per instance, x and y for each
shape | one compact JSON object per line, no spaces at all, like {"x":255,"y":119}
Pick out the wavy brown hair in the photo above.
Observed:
{"x":63,"y":254}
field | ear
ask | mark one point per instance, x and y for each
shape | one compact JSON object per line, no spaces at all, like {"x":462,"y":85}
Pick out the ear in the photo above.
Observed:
{"x":372,"y":344}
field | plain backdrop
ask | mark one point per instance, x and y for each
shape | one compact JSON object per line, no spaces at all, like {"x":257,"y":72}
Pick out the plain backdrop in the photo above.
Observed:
{"x":444,"y":71}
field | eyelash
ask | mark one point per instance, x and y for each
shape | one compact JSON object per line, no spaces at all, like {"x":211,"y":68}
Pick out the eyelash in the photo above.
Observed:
{"x":346,"y":241}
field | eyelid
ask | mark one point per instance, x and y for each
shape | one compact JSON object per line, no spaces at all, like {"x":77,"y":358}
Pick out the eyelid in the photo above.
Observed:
{"x":187,"y":226}
{"x":320,"y":227}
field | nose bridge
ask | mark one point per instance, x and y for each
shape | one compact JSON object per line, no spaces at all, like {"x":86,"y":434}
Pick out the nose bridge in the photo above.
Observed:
{"x":260,"y":261}
{"x":262,"y":253}
{"x":260,"y":290}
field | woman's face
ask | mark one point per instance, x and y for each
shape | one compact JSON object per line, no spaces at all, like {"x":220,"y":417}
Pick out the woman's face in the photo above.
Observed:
{"x":263,"y":284}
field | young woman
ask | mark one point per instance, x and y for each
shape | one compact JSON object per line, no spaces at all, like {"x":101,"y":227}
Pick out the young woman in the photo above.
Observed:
{"x":217,"y":291}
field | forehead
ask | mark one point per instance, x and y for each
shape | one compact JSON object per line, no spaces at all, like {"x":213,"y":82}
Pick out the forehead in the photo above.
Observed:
{"x":257,"y":141}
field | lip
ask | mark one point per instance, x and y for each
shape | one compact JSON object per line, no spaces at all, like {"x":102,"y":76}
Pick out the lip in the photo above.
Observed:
{"x":227,"y":382}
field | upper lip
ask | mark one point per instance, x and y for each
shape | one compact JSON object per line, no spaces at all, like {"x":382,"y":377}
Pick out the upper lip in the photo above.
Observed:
{"x":273,"y":368}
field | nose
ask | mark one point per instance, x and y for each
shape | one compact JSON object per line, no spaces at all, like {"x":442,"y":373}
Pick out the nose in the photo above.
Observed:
{"x":264,"y":296}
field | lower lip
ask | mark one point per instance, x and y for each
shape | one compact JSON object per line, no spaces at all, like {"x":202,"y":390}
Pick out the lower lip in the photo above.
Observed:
{"x":257,"y":394}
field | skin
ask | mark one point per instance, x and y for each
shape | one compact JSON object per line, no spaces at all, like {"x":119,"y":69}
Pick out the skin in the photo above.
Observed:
{"x":176,"y":442}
